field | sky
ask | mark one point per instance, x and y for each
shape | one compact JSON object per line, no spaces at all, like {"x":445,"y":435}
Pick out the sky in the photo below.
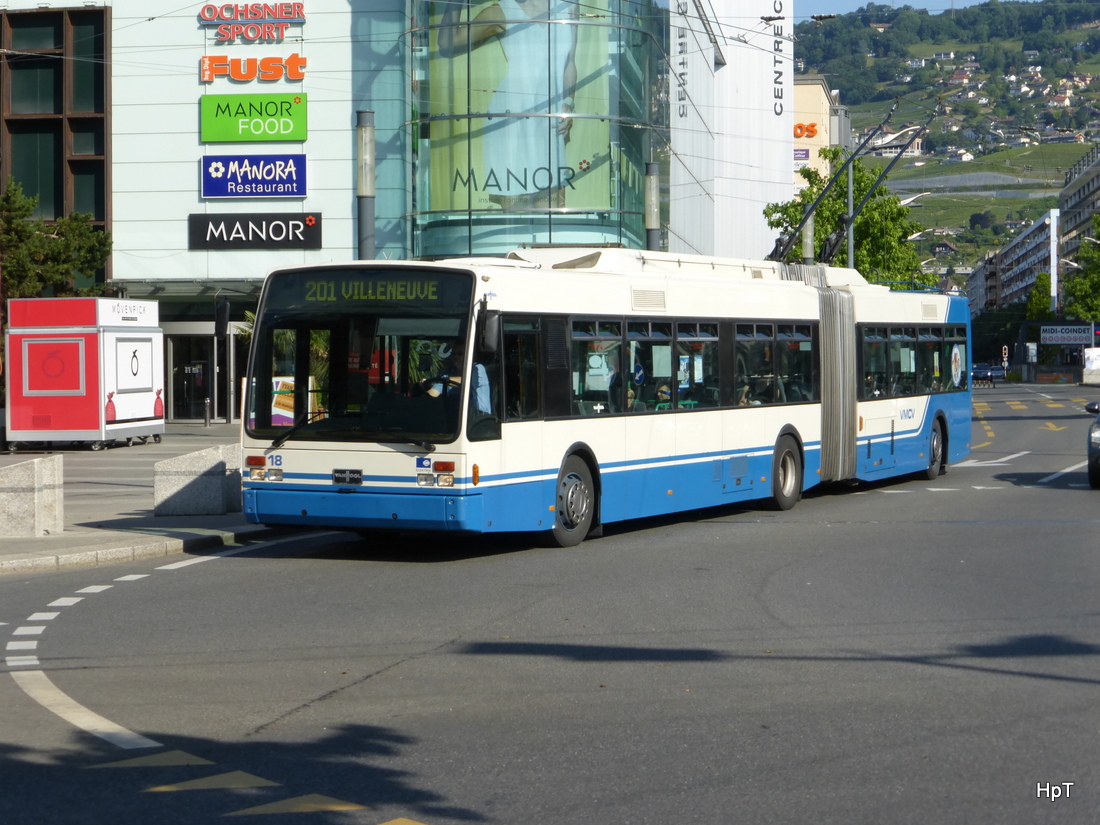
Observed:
{"x":804,"y":8}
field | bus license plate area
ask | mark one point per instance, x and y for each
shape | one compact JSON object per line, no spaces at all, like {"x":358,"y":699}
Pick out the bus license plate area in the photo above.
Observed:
{"x":347,"y":476}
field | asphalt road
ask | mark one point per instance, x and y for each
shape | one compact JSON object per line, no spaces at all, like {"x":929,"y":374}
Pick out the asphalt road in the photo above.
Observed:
{"x":918,"y":651}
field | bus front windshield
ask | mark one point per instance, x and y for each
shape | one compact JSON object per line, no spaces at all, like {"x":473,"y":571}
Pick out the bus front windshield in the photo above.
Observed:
{"x":359,"y":356}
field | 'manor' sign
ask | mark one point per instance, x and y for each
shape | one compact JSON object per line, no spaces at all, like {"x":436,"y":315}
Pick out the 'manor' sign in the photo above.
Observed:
{"x":237,"y":118}
{"x":273,"y":230}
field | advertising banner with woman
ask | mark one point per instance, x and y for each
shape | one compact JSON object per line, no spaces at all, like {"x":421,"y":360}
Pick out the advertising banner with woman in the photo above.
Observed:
{"x":505,"y":78}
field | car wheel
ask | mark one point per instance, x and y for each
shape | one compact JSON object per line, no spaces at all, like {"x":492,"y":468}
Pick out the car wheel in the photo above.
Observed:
{"x":1094,"y":476}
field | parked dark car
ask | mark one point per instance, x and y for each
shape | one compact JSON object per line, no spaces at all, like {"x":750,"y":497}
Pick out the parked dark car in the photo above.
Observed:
{"x":1092,"y":446}
{"x":981,"y":372}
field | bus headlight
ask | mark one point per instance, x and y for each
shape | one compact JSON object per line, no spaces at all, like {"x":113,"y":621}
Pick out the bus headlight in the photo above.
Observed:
{"x":425,"y":480}
{"x":445,"y":480}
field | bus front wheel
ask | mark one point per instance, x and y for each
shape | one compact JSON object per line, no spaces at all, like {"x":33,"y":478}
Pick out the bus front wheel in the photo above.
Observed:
{"x":574,"y":503}
{"x":786,"y":474}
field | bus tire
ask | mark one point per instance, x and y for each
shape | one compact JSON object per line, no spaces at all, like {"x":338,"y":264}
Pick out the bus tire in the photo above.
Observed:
{"x":935,"y":452}
{"x":786,"y":474}
{"x":574,"y":504}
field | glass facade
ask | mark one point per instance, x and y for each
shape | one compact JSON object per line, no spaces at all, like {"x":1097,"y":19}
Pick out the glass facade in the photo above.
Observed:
{"x":532,"y":122}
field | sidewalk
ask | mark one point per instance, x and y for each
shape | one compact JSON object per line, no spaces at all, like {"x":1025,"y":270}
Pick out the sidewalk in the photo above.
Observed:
{"x":108,"y":501}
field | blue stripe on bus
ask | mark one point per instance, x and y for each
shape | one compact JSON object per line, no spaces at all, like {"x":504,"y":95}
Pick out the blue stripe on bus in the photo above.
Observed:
{"x":638,"y":463}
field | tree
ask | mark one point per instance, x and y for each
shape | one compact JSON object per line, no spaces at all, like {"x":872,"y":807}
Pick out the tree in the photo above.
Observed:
{"x":1082,"y":289}
{"x":882,"y":229}
{"x":36,"y":256}
{"x":981,"y":220}
{"x":1038,"y":300}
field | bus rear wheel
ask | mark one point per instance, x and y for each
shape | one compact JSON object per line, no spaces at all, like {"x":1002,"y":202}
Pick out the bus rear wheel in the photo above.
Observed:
{"x":574,"y":504}
{"x":935,"y":452}
{"x":786,"y":474}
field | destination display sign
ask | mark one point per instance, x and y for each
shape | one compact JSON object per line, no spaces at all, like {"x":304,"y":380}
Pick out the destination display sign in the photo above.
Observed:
{"x":345,"y":288}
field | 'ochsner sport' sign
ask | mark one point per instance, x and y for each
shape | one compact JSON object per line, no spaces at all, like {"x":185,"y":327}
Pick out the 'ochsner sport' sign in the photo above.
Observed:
{"x":270,"y":230}
{"x":251,"y":22}
{"x":254,"y":176}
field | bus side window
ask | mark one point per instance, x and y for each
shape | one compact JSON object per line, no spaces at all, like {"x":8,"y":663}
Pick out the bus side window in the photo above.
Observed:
{"x":521,"y":373}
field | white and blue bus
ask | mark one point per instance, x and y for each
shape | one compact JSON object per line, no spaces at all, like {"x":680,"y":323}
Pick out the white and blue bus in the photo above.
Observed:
{"x":558,"y":390}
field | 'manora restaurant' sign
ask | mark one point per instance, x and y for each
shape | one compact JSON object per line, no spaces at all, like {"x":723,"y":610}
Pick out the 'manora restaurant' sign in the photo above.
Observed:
{"x":254,"y":176}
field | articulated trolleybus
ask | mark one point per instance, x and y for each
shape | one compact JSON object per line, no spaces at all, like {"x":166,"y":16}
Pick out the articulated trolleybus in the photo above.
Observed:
{"x":558,"y":390}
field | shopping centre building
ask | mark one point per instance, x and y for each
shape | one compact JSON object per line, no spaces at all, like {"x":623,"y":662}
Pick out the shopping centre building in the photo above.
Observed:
{"x":216,"y":141}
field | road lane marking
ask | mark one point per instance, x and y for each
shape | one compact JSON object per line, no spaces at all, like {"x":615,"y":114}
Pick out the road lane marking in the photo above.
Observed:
{"x":167,"y":759}
{"x":66,"y":602}
{"x":996,"y":462}
{"x":37,"y":686}
{"x":96,"y":588}
{"x":1061,"y":473}
{"x":311,"y":804}
{"x":234,"y":780}
{"x":179,"y":565}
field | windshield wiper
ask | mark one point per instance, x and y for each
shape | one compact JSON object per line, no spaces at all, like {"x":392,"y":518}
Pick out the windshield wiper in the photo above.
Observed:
{"x":307,"y":418}
{"x":388,"y":435}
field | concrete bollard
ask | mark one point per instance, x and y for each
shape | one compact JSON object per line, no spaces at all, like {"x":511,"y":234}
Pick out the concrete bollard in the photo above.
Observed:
{"x":32,"y":499}
{"x":203,"y":483}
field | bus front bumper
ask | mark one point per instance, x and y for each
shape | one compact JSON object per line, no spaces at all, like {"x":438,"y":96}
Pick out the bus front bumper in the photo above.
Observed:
{"x":361,"y":510}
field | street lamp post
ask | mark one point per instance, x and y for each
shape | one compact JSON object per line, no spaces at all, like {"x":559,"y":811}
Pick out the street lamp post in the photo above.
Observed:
{"x":364,"y":184}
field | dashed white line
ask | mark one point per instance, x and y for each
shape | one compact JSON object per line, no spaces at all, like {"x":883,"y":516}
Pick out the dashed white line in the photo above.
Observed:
{"x":29,"y":630}
{"x":96,"y":588}
{"x":68,"y":601}
{"x":42,"y":617}
{"x":22,"y":646}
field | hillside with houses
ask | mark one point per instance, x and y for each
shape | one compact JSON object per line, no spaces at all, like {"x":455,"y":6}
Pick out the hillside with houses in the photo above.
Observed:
{"x":1016,"y":91}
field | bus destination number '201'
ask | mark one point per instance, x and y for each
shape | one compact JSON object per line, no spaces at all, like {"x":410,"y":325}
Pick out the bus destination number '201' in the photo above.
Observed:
{"x":320,"y":291}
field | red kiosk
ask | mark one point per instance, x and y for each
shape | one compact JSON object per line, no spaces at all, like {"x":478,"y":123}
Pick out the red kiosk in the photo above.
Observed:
{"x":84,"y":370}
